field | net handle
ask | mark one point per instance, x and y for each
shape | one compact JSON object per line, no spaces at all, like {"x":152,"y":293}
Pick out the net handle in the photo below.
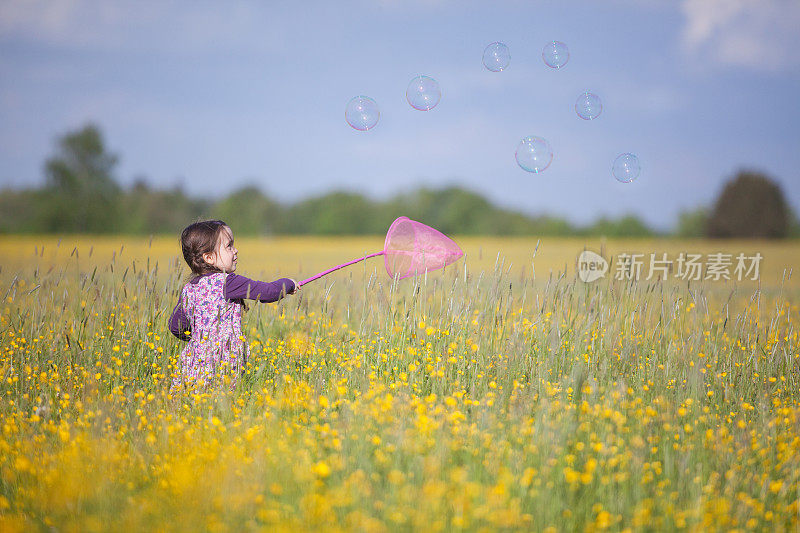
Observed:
{"x":354,"y":261}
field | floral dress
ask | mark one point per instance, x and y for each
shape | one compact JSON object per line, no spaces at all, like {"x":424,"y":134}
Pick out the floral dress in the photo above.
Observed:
{"x":216,"y":346}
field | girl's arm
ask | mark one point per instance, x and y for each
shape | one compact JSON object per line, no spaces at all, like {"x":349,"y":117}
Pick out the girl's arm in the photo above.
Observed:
{"x":239,"y":287}
{"x":179,"y":324}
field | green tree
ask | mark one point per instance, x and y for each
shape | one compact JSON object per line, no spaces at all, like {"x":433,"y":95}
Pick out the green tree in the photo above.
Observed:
{"x":750,"y":206}
{"x":626,"y":226}
{"x":692,"y":223}
{"x":454,"y":210}
{"x":21,"y":211}
{"x":794,"y":228}
{"x":336,"y":213}
{"x":458,"y":211}
{"x":549,"y":225}
{"x":159,"y":211}
{"x":249,"y":212}
{"x":81,"y":192}
{"x":451,"y":210}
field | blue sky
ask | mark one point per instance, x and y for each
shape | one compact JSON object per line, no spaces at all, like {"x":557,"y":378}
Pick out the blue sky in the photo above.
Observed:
{"x":218,"y":95}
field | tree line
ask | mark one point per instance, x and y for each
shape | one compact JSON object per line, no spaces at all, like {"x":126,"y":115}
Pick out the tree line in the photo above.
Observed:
{"x":82,"y":195}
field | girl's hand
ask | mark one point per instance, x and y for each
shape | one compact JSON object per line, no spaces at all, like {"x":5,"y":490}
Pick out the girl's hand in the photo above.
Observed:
{"x":296,"y":287}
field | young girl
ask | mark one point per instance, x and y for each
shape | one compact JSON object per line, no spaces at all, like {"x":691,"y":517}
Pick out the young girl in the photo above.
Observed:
{"x":209,"y":313}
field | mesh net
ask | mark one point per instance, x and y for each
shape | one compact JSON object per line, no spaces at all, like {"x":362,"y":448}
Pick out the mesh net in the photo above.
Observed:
{"x":413,"y":248}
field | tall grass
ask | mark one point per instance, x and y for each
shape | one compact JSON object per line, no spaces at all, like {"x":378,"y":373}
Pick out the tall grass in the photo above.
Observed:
{"x":489,"y":396}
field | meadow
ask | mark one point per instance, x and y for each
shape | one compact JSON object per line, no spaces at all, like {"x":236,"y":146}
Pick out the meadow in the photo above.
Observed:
{"x":503,"y":393}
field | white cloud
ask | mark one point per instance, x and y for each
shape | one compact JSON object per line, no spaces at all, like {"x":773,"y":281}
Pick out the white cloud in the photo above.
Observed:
{"x":757,"y":34}
{"x":136,"y":25}
{"x":66,"y":22}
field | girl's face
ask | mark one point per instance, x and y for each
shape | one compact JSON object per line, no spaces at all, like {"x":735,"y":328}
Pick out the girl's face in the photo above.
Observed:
{"x":225,"y":255}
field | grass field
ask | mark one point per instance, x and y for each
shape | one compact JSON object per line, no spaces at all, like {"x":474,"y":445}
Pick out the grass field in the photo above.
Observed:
{"x":500,"y":394}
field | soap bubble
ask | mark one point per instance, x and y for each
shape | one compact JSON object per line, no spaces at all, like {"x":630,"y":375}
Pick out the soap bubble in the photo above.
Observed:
{"x":626,"y":168}
{"x":423,"y":93}
{"x":534,"y":154}
{"x":588,"y":106}
{"x":496,"y":57}
{"x":555,"y":54}
{"x":362,"y":113}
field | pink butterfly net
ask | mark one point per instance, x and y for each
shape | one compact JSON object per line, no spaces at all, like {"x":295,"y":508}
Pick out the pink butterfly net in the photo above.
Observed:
{"x":410,"y":248}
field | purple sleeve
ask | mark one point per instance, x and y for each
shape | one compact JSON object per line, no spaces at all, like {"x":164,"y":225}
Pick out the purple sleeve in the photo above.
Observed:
{"x":179,"y":323}
{"x":239,"y":287}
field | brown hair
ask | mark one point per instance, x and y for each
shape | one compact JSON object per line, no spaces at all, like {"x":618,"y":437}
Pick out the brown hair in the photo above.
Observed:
{"x":198,"y":239}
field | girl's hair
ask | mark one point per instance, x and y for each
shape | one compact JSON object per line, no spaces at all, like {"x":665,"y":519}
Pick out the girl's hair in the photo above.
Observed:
{"x":198,"y":239}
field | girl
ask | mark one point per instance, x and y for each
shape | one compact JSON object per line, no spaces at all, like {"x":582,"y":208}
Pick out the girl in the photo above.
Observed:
{"x":209,"y":312}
